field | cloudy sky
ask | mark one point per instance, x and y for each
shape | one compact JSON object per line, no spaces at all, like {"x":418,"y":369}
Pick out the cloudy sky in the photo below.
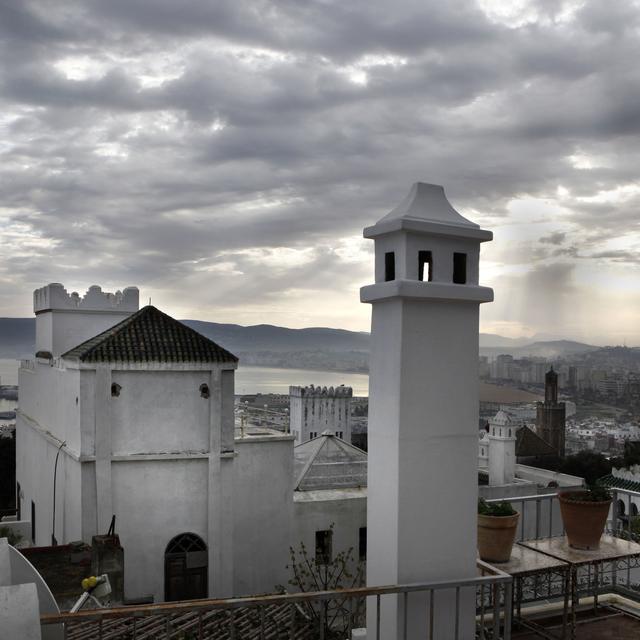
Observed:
{"x":225,"y":155}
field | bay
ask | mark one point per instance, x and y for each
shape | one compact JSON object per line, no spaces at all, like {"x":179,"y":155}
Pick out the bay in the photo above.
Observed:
{"x":9,"y":371}
{"x":252,"y":379}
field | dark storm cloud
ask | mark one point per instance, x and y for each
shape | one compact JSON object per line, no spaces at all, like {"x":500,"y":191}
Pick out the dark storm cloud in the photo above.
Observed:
{"x":147,"y":142}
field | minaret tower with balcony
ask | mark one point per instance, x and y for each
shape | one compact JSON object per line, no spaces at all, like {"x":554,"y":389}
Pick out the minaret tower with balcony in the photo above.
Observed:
{"x":423,"y":407}
{"x":551,"y":415}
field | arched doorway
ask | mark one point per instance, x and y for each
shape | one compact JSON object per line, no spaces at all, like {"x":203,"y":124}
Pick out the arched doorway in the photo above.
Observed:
{"x":185,"y":568}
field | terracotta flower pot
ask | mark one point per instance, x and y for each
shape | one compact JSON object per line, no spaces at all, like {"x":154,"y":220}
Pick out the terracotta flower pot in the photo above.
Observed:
{"x":583,"y":520}
{"x":496,"y":535}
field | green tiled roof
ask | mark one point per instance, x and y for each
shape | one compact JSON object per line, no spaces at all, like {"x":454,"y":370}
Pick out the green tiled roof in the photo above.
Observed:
{"x":150,"y":336}
{"x":619,"y":483}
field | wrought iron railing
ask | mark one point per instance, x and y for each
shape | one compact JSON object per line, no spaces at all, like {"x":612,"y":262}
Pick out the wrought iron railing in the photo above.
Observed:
{"x":324,"y":615}
{"x":540,"y":518}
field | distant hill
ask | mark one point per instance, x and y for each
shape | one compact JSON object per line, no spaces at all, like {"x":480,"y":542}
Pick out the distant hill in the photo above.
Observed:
{"x":17,"y":337}
{"x":266,"y":337}
{"x":316,"y":347}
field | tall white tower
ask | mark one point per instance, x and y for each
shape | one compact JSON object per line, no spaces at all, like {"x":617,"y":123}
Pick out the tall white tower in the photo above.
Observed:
{"x":502,"y":449}
{"x":314,"y":410}
{"x":423,"y":406}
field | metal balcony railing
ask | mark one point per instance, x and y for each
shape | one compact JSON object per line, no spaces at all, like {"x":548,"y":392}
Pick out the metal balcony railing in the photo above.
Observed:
{"x":325,"y":615}
{"x":540,"y":518}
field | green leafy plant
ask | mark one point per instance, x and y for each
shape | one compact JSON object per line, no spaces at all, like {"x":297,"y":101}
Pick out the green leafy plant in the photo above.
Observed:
{"x":593,"y":493}
{"x":498,"y":509}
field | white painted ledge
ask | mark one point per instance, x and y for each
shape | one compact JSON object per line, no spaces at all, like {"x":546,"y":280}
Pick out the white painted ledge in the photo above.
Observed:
{"x":426,"y":291}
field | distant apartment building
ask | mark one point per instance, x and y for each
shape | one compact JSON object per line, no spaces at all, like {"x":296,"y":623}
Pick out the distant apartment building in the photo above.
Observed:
{"x":504,"y":367}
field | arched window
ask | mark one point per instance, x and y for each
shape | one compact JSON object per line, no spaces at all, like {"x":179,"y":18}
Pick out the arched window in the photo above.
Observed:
{"x":634,"y":509}
{"x":185,"y":568}
{"x":509,"y":432}
{"x":621,"y":508}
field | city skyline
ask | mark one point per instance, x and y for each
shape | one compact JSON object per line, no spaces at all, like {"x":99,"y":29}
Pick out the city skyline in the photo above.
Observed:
{"x":225,"y":159}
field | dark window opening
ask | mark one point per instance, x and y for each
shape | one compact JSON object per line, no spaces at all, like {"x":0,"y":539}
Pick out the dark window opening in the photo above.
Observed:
{"x":389,"y":266}
{"x":323,"y":546}
{"x":18,"y":502}
{"x":115,"y":390}
{"x":460,"y":268}
{"x":33,"y":522}
{"x":204,"y":390}
{"x":362,"y":544}
{"x":621,"y":508}
{"x":634,"y":509}
{"x":425,"y":263}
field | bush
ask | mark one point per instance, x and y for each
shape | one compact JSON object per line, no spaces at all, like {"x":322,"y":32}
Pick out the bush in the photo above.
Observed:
{"x":594,"y":493}
{"x":12,"y":537}
{"x":499,"y":509}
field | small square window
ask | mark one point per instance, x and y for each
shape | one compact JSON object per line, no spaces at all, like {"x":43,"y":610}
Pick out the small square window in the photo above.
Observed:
{"x":389,"y":266}
{"x":460,"y":268}
{"x":425,"y":266}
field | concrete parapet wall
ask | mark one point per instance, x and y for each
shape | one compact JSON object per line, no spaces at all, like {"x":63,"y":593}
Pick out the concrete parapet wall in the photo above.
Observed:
{"x":321,"y":392}
{"x":55,"y":296}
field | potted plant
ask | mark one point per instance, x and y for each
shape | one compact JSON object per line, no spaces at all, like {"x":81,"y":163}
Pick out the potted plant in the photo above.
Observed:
{"x":497,"y":524}
{"x":584,"y":515}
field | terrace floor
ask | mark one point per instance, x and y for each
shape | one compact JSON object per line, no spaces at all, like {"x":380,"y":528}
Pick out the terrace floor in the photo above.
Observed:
{"x":608,"y":624}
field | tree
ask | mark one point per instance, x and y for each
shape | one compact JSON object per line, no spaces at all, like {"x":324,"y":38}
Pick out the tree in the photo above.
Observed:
{"x":342,"y":571}
{"x":586,"y":464}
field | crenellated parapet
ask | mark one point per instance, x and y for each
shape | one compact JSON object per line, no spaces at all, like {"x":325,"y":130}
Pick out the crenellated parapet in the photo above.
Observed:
{"x":312,"y":391}
{"x":54,"y":297}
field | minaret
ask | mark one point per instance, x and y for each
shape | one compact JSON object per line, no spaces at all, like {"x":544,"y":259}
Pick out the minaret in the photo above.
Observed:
{"x":423,"y":406}
{"x":502,"y":449}
{"x":551,"y":414}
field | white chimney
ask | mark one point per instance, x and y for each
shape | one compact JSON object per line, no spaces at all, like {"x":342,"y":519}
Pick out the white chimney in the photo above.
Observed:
{"x":423,"y":409}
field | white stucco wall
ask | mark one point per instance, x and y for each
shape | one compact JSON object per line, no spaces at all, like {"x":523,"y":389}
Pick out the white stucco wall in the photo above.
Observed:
{"x":263,"y":511}
{"x":35,"y":458}
{"x":60,"y":331}
{"x":50,"y":396}
{"x":153,"y":502}
{"x":159,"y":411}
{"x":318,"y":510}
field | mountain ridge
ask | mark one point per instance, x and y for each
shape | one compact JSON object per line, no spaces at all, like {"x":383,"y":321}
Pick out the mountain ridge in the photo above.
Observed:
{"x":270,"y":343}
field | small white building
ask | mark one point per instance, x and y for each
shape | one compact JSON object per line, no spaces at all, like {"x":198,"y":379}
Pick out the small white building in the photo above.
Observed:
{"x":142,"y":416}
{"x":330,"y":497}
{"x":314,"y":410}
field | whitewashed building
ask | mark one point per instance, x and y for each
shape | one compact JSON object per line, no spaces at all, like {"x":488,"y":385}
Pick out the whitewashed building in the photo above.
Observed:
{"x":142,"y":414}
{"x":330,"y":498}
